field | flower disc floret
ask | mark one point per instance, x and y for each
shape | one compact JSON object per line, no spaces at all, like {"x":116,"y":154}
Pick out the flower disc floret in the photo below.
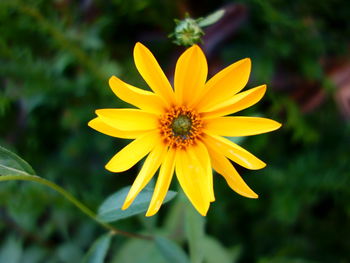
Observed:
{"x":180,"y":127}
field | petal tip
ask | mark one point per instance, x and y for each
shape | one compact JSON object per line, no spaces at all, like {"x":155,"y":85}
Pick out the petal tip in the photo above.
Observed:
{"x":90,"y":123}
{"x":98,"y":112}
{"x":126,"y":205}
{"x":112,"y":79}
{"x":138,"y":47}
{"x":150,"y":213}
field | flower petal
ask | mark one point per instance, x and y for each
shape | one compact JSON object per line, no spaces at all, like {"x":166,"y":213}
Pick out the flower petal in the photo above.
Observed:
{"x":143,"y":99}
{"x":226,"y":169}
{"x":238,"y":102}
{"x":189,"y":172}
{"x":149,"y":168}
{"x":163,"y":182}
{"x":100,"y":126}
{"x":190,"y":75}
{"x":201,"y":153}
{"x":132,"y":153}
{"x":240,"y":126}
{"x":225,"y":84}
{"x":151,"y":72}
{"x":128,"y":119}
{"x":234,"y":152}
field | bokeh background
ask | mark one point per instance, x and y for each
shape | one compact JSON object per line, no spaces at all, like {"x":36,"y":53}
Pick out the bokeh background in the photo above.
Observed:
{"x":55,"y":61}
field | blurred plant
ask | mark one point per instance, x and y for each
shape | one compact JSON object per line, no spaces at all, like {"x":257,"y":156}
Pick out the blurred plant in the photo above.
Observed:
{"x":189,"y":31}
{"x":48,"y":91}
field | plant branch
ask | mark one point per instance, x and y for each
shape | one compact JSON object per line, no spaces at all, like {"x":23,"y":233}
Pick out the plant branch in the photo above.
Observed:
{"x":83,"y":208}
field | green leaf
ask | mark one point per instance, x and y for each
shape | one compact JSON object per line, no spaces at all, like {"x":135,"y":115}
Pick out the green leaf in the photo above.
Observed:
{"x":110,"y":210}
{"x":194,"y":228}
{"x":215,"y":252}
{"x":212,"y":18}
{"x":98,"y":251}
{"x":138,"y":251}
{"x":171,"y":251}
{"x":11,"y":250}
{"x":12,"y":164}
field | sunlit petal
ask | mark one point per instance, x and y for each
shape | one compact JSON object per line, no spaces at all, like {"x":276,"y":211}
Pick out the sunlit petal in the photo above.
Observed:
{"x":100,"y":126}
{"x":238,"y":102}
{"x":234,"y":152}
{"x":190,"y":75}
{"x":163,"y":182}
{"x":145,"y":100}
{"x":128,"y":119}
{"x":201,"y":153}
{"x":132,"y":153}
{"x":225,"y":84}
{"x":240,"y":126}
{"x":189,"y":173}
{"x":152,"y":73}
{"x":149,"y":168}
{"x":223,"y":166}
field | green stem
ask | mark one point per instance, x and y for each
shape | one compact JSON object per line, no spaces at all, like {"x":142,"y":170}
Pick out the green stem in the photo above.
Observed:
{"x":87,"y":211}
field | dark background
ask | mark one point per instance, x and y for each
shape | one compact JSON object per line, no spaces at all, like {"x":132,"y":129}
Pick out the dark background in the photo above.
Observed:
{"x":55,"y":61}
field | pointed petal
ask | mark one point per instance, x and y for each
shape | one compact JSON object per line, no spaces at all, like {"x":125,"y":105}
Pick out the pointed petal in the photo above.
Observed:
{"x":163,"y":182}
{"x":132,"y":153}
{"x":98,"y":125}
{"x":238,"y":102}
{"x":190,"y":75}
{"x":234,"y":152}
{"x":151,"y":72}
{"x":145,"y":100}
{"x":190,"y":176}
{"x":128,"y":119}
{"x":240,"y":126}
{"x":149,"y":168}
{"x":226,"y":169}
{"x":225,"y":84}
{"x":201,"y":153}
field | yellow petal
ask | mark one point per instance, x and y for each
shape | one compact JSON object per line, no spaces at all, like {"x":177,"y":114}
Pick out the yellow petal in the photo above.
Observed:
{"x":234,"y":152}
{"x":145,"y":100}
{"x":98,"y":125}
{"x":240,"y":126}
{"x":128,"y":119}
{"x":189,"y":172}
{"x":151,"y":72}
{"x":163,"y":182}
{"x":238,"y":102}
{"x":225,"y":84}
{"x":132,"y":153}
{"x":190,"y":75}
{"x":226,"y":169}
{"x":201,"y":153}
{"x":146,"y":173}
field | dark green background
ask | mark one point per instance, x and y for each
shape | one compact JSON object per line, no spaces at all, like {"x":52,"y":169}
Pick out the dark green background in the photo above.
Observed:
{"x":55,"y":61}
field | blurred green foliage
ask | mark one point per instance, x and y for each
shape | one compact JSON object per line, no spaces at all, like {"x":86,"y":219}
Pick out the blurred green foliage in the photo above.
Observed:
{"x":55,"y":61}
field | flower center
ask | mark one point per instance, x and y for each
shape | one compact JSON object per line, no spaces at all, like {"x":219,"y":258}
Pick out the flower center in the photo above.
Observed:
{"x":180,"y":127}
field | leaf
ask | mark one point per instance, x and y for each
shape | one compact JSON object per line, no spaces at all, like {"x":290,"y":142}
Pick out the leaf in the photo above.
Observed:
{"x":12,"y":164}
{"x":138,"y":251}
{"x":98,"y":251}
{"x":110,"y":210}
{"x":11,"y":250}
{"x":212,"y":18}
{"x":194,"y":228}
{"x":215,"y":252}
{"x":171,"y":251}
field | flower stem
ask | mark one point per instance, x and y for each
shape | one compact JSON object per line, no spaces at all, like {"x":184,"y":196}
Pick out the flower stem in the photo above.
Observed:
{"x":83,"y":208}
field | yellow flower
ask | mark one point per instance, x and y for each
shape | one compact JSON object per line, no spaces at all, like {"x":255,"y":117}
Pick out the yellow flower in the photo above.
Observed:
{"x":183,"y":129}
